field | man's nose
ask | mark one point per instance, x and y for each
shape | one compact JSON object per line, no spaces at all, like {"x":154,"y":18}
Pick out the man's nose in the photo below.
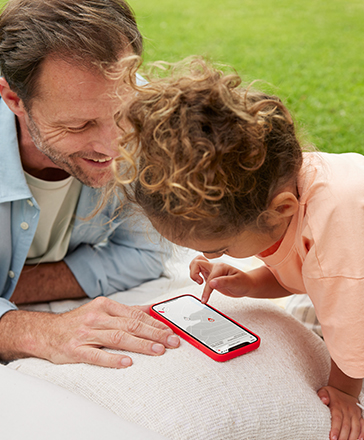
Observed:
{"x":108,"y":139}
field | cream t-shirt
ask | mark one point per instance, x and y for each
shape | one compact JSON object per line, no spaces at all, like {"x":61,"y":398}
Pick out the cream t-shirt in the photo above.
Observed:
{"x":57,"y":202}
{"x":322,"y":253}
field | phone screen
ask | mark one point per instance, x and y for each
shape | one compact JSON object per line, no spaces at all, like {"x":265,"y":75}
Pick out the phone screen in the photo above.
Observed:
{"x":205,"y":324}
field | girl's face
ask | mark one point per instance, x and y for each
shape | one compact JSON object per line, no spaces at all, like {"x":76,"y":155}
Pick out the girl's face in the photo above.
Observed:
{"x":243,"y":245}
{"x":248,"y":242}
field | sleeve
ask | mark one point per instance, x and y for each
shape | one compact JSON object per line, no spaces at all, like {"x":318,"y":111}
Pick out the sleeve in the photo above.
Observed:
{"x":132,"y":255}
{"x":6,"y":306}
{"x":5,"y":258}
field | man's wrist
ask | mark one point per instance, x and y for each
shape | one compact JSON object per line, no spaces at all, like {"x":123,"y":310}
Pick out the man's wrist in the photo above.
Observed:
{"x":24,"y":334}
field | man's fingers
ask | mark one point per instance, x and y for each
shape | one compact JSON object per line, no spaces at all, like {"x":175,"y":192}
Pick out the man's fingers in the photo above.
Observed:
{"x":102,"y":358}
{"x":103,"y":323}
{"x":122,"y":340}
{"x":117,"y":310}
{"x":144,"y":309}
{"x":142,"y":330}
{"x":152,"y":321}
{"x":114,"y":308}
{"x":119,"y":328}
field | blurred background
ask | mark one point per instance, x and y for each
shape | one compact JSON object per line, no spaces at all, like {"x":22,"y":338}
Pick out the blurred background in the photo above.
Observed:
{"x":310,"y":54}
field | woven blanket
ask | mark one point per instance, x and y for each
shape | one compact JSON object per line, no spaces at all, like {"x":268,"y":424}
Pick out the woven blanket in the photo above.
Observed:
{"x":268,"y":393}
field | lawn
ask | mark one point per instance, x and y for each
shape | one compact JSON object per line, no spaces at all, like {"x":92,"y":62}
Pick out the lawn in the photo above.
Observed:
{"x":311,"y":53}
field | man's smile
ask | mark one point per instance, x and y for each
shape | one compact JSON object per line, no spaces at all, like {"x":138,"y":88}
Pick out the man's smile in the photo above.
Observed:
{"x":107,"y":159}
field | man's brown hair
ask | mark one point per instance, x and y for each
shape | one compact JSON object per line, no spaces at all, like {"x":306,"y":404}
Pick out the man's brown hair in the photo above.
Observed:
{"x":92,"y":33}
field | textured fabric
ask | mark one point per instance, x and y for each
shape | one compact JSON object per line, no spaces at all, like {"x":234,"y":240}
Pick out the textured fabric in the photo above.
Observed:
{"x":322,"y":253}
{"x":32,"y":409}
{"x":268,"y":393}
{"x":301,"y":307}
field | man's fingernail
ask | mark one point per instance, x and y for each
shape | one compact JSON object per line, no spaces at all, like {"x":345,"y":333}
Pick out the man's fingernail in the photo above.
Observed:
{"x":126,"y":362}
{"x":158,"y":348}
{"x":173,"y":341}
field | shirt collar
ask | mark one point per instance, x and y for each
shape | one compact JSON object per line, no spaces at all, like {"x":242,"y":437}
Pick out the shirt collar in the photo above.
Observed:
{"x":13,"y":185}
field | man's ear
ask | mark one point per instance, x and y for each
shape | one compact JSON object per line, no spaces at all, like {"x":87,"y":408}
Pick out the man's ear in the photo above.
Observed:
{"x":10,"y":98}
{"x":285,"y":204}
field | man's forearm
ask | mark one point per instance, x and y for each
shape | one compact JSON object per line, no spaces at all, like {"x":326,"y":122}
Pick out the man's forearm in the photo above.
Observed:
{"x":22,"y":334}
{"x":46,"y":282}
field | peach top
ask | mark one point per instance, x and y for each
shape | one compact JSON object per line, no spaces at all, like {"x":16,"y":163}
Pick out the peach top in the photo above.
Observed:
{"x":322,"y":252}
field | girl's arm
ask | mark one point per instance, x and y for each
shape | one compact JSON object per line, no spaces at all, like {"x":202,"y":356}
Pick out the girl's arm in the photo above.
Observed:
{"x":265,"y":284}
{"x":341,"y":396}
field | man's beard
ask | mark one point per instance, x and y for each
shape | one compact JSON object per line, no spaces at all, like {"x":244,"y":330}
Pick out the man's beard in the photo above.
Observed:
{"x":63,"y":162}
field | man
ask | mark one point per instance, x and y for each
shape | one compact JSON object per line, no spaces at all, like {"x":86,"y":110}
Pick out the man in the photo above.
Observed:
{"x":58,"y":141}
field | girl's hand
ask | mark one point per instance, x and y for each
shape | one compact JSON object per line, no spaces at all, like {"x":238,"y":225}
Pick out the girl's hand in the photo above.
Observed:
{"x":346,"y":419}
{"x":226,"y":279}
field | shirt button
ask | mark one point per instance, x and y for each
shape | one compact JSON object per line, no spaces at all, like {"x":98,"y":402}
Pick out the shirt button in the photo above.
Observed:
{"x":24,"y":225}
{"x":30,"y":203}
{"x":11,"y":274}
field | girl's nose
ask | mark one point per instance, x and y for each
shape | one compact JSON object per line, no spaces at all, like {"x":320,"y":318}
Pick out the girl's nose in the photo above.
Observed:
{"x":215,"y":255}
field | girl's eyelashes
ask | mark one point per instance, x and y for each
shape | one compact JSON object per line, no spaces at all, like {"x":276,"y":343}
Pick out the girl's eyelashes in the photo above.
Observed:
{"x":215,"y":254}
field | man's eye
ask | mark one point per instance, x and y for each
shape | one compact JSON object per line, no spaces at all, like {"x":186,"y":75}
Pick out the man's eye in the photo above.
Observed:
{"x":80,"y":128}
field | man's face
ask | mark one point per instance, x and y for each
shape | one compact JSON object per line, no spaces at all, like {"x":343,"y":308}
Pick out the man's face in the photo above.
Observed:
{"x":72,"y":122}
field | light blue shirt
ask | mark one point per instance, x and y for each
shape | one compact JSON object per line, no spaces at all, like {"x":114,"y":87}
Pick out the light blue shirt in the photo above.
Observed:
{"x":105,"y":254}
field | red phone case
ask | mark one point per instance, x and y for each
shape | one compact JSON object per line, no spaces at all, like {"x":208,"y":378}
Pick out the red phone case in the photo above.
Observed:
{"x":212,"y":354}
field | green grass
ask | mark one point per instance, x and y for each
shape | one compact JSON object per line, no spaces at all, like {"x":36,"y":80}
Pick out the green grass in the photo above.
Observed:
{"x":312,"y":53}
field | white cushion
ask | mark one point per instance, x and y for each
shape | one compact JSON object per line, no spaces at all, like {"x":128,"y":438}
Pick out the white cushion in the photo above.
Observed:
{"x":32,"y":409}
{"x":269,"y":393}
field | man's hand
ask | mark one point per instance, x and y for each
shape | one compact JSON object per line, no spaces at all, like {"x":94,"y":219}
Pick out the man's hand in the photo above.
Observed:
{"x":79,"y":335}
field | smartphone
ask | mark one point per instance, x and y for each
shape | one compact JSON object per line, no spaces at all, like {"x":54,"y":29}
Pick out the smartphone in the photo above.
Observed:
{"x":209,"y":330}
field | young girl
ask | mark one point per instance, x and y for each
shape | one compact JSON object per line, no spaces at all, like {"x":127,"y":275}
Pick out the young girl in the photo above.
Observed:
{"x":220,"y":170}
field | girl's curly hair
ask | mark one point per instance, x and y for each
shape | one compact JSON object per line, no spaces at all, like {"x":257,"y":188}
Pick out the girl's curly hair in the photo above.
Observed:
{"x":206,"y":155}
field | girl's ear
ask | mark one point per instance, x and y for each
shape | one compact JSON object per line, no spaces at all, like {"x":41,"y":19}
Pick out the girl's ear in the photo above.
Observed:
{"x":285,"y":204}
{"x":10,"y":98}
